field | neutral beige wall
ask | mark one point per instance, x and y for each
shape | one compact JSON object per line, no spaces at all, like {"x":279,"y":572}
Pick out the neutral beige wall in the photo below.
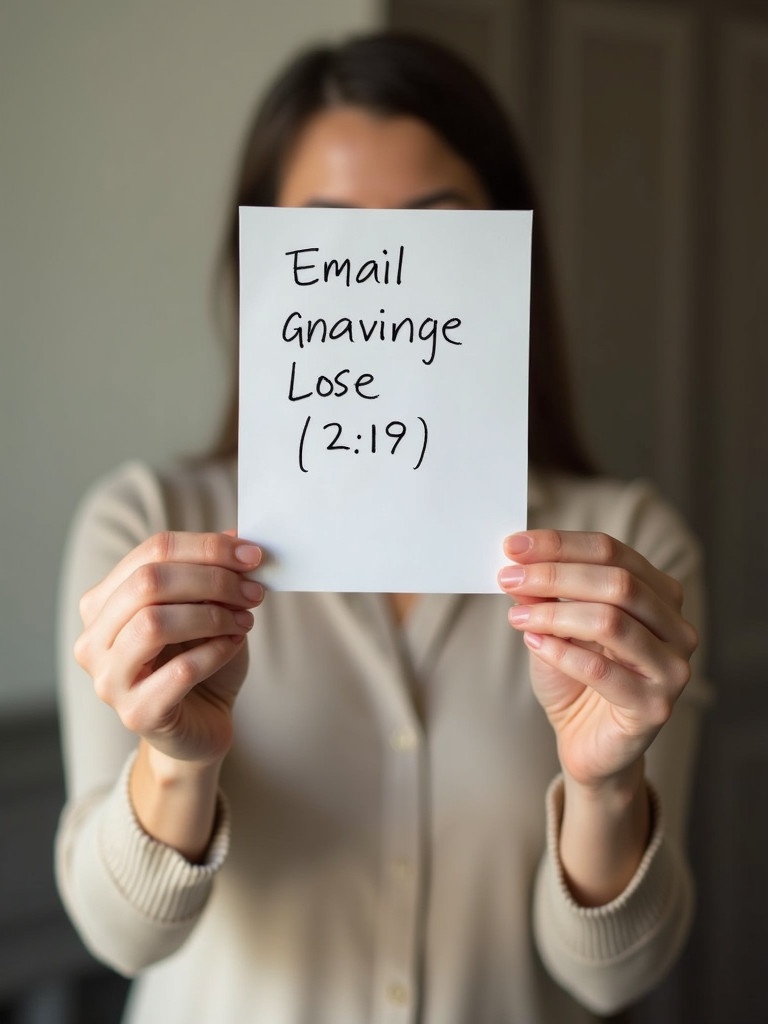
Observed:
{"x":119,"y":124}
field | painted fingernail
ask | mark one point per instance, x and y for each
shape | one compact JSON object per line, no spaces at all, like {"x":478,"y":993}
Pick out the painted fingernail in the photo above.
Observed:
{"x":249,"y":554}
{"x":519,"y":615}
{"x":252,"y":591}
{"x":533,"y":640}
{"x":244,"y":619}
{"x":517,"y":544}
{"x":511,"y":576}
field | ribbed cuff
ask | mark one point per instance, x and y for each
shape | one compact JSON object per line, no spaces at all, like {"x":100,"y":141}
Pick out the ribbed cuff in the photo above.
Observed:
{"x":154,"y":878}
{"x":614,"y":930}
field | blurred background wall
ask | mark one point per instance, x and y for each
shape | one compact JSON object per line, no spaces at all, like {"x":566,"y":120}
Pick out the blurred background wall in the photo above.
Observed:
{"x":646,"y":122}
{"x":120,"y":124}
{"x":119,"y":129}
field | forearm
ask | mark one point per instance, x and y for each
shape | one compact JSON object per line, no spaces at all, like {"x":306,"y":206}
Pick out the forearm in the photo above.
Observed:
{"x":175,"y":801}
{"x":604,"y":835}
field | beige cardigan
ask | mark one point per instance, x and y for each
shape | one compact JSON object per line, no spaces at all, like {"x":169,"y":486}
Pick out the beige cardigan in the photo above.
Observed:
{"x":381,"y":853}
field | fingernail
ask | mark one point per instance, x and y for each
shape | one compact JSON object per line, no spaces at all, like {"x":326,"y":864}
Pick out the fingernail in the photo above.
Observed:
{"x":244,"y":619}
{"x":519,"y":615}
{"x":252,"y":591}
{"x":533,"y":640}
{"x":511,"y":576}
{"x":517,"y":544}
{"x":248,"y":553}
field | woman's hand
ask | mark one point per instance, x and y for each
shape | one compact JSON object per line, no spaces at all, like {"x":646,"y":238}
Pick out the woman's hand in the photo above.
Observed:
{"x":163,"y":640}
{"x":610,"y":655}
{"x":610,"y":648}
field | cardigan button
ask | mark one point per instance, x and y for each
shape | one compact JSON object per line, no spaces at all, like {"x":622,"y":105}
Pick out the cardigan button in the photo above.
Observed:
{"x":397,"y":993}
{"x":402,"y":869}
{"x":403,"y":739}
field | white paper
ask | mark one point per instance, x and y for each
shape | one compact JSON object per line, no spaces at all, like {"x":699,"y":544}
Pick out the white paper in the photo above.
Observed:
{"x":432,"y":474}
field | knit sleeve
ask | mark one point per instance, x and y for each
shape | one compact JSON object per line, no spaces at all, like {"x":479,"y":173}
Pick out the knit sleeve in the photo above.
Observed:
{"x":610,"y":955}
{"x":133,"y":900}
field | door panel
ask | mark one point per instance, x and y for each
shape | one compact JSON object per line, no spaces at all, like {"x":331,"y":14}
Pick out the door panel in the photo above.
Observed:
{"x":647,"y":123}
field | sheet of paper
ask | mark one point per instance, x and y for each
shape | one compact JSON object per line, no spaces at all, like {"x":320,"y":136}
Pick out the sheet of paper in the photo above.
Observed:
{"x":383,"y":395}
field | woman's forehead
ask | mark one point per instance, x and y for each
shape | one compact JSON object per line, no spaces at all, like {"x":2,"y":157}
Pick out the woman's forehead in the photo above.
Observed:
{"x":350,"y":156}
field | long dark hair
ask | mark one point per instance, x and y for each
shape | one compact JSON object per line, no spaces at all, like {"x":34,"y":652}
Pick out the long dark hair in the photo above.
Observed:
{"x":398,"y":74}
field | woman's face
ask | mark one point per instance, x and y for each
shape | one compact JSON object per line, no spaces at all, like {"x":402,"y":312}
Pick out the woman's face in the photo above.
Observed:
{"x":351,"y":157}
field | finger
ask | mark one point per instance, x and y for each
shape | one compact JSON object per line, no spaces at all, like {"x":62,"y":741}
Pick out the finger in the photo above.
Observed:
{"x":159,"y":626}
{"x":152,"y":704}
{"x":193,"y":548}
{"x":135,"y":650}
{"x":576,"y":546}
{"x":169,"y":583}
{"x":648,"y":704}
{"x":609,"y":585}
{"x":627,"y":641}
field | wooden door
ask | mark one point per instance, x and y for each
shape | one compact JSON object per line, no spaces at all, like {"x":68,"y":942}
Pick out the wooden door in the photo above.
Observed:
{"x":647,"y":124}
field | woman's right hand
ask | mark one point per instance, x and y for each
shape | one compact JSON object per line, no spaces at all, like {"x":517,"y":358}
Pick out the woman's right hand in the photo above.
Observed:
{"x":164,"y":639}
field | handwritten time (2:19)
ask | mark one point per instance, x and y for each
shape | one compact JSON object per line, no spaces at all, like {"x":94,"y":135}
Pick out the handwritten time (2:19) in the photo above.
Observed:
{"x":334,"y":438}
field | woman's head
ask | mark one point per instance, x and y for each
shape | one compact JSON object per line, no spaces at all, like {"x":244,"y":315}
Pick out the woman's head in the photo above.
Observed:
{"x":392,"y":120}
{"x":393,"y":75}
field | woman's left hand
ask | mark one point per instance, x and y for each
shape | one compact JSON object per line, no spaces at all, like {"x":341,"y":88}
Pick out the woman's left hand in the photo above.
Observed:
{"x":610,"y":649}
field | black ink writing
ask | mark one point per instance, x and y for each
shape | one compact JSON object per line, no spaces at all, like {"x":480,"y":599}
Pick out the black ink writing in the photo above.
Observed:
{"x":303,"y":331}
{"x":339,"y":438}
{"x":377,"y":270}
{"x":425,"y":334}
{"x":335,"y":386}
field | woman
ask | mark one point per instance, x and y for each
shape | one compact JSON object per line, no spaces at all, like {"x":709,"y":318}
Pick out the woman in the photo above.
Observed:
{"x":381,"y":807}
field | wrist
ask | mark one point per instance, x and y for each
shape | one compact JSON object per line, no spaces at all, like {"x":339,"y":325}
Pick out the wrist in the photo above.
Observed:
{"x":175,"y":801}
{"x":604,"y":833}
{"x":614,"y":793}
{"x":169,"y":772}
